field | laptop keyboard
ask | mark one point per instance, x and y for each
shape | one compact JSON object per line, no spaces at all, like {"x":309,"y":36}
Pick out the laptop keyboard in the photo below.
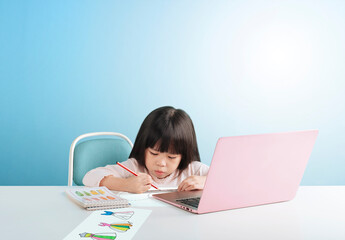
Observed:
{"x":194,"y":202}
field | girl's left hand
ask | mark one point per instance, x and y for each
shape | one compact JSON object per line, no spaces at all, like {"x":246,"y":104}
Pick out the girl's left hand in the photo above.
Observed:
{"x":192,"y":183}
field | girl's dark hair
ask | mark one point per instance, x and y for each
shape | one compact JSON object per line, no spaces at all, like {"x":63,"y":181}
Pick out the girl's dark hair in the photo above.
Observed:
{"x":167,"y":129}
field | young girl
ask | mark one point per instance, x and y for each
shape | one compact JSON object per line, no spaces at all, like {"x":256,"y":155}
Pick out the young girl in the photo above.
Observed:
{"x":165,"y":153}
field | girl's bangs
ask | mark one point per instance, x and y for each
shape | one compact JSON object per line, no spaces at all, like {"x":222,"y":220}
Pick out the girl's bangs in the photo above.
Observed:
{"x":167,"y":143}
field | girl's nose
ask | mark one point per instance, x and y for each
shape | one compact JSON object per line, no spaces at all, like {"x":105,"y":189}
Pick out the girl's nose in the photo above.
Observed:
{"x":161,"y":162}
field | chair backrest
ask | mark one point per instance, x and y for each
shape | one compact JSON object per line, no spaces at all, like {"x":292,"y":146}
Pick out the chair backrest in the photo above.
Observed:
{"x":97,"y":152}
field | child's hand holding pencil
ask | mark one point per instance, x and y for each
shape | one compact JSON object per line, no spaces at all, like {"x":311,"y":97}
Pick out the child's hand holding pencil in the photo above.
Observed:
{"x":140,"y":182}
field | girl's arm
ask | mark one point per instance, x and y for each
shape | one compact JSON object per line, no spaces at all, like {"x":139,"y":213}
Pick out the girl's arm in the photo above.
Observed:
{"x":192,"y":183}
{"x":135,"y":184}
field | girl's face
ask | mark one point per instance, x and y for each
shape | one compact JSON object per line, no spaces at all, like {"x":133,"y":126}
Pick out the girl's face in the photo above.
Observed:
{"x":161,"y":164}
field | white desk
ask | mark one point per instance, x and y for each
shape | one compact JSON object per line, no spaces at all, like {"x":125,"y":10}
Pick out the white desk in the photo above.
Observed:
{"x":315,"y":213}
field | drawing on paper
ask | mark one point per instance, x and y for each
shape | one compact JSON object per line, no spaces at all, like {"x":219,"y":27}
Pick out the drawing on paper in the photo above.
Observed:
{"x":119,"y":227}
{"x":121,"y":215}
{"x":98,"y":236}
{"x":109,"y":225}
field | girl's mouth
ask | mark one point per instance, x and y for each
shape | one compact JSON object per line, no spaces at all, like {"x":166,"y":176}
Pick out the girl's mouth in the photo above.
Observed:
{"x":159,"y":173}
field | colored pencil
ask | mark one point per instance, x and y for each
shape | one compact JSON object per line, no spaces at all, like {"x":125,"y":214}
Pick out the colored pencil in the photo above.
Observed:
{"x":133,"y":173}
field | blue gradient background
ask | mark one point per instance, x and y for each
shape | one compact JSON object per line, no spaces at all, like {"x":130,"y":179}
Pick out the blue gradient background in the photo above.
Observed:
{"x":237,"y":67}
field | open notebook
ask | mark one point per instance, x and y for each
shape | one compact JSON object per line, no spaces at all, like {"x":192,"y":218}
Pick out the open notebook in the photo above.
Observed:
{"x":96,"y":198}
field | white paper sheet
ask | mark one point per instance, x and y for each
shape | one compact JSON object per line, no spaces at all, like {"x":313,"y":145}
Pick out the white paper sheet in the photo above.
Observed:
{"x":145,"y":199}
{"x":121,"y":224}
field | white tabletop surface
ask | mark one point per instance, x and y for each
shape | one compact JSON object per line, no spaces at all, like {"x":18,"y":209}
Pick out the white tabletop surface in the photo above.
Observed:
{"x":44,"y":212}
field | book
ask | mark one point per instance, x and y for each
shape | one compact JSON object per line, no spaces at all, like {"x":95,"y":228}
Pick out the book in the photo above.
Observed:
{"x":96,"y":198}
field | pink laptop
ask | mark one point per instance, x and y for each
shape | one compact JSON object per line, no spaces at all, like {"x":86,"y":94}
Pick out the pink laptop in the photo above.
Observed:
{"x":248,"y":171}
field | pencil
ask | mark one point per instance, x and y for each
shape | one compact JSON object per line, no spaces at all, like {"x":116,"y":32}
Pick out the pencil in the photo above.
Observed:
{"x":133,"y":173}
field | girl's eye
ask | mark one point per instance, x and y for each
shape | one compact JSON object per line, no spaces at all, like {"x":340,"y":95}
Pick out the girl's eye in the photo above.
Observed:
{"x":171,"y":157}
{"x":154,"y":154}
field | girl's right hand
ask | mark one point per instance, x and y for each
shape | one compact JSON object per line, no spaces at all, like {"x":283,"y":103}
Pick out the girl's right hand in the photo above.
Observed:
{"x":139,"y":184}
